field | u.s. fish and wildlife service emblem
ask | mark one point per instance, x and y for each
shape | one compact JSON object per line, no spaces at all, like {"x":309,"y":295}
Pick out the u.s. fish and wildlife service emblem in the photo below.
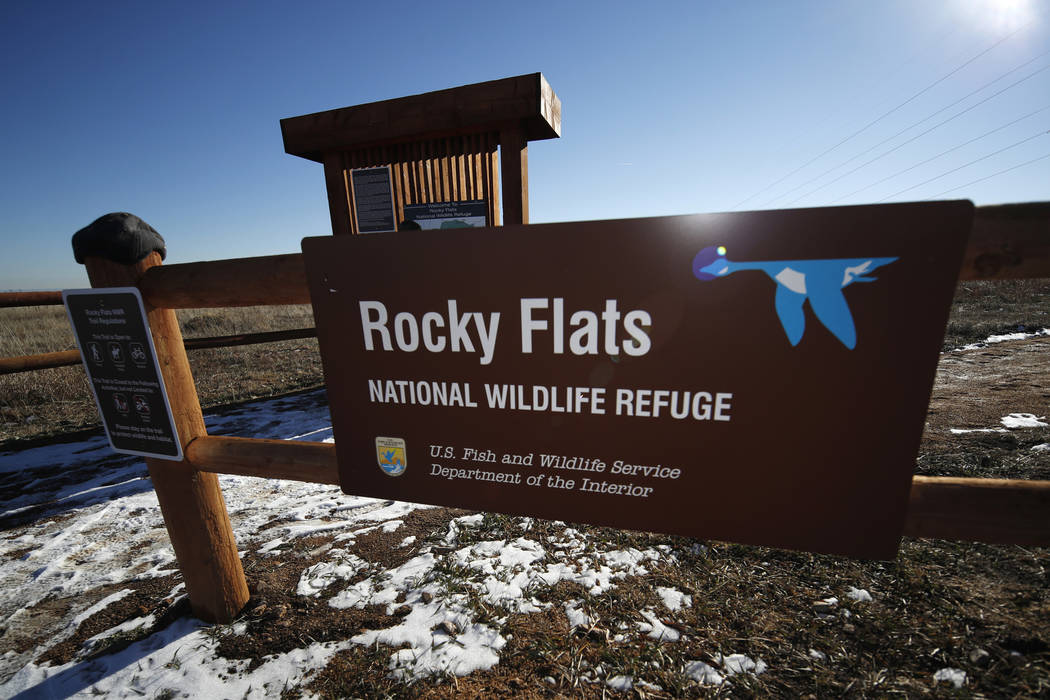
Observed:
{"x":390,"y":452}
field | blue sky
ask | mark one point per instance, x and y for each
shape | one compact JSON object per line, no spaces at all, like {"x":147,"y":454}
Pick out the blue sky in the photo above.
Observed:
{"x":171,"y":110}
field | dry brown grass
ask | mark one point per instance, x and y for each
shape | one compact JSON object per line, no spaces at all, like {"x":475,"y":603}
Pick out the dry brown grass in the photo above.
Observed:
{"x":45,"y":402}
{"x":52,"y":400}
{"x":985,"y":308}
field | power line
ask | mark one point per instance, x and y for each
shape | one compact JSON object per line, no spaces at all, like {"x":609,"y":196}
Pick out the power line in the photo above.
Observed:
{"x":907,"y":128}
{"x":880,"y":118}
{"x":953,"y":27}
{"x":942,"y":153}
{"x":989,"y":177}
{"x":978,"y":160}
{"x":921,"y":134}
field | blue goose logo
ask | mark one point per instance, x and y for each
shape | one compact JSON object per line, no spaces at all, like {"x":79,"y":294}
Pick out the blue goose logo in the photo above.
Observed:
{"x":819,"y":281}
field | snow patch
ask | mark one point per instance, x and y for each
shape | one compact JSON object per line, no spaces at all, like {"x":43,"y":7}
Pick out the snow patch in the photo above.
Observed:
{"x":133,"y":625}
{"x":955,"y":676}
{"x":656,"y":629}
{"x":100,"y":605}
{"x":859,"y":594}
{"x":625,"y":683}
{"x":739,"y":663}
{"x":1016,"y":421}
{"x":320,"y":576}
{"x":577,"y":618}
{"x":703,"y":673}
{"x":673,"y":598}
{"x":432,"y":648}
{"x":1002,"y":338}
{"x":182,"y":656}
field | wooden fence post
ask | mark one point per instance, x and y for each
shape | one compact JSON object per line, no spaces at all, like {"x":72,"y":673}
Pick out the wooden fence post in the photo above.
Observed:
{"x":514,"y":171}
{"x":117,"y":249}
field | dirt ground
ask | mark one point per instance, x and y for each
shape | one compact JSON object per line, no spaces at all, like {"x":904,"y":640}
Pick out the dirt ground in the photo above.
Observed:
{"x":973,"y":391}
{"x":975,"y":388}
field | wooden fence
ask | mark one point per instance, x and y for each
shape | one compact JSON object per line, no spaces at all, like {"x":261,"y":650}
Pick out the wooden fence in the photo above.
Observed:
{"x":66,"y":358}
{"x":1007,"y":242}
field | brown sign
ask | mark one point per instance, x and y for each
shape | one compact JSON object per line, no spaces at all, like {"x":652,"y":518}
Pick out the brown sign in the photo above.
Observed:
{"x":758,"y":377}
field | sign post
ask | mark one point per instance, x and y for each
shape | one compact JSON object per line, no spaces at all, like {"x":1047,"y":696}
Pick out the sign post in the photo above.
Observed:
{"x":116,"y":250}
{"x":758,"y":377}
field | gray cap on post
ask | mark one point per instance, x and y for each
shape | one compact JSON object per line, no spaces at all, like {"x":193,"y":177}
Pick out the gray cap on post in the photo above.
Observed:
{"x":120,"y":237}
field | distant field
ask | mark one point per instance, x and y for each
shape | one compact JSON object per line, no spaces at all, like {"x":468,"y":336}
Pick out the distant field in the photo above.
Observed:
{"x":981,"y":309}
{"x":45,"y":402}
{"x":34,"y":404}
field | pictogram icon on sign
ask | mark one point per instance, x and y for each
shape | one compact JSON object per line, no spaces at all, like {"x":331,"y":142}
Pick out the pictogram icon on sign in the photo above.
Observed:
{"x":116,"y":354}
{"x":138,"y":354}
{"x":95,"y":353}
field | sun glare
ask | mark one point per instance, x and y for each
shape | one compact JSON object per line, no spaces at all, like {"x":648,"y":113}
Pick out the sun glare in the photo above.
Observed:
{"x":1000,"y":15}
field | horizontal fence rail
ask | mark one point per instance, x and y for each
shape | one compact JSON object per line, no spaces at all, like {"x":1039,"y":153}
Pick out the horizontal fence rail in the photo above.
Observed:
{"x":269,"y":280}
{"x":999,"y":511}
{"x":312,"y":462}
{"x":46,"y":360}
{"x":1010,"y":241}
{"x":1006,"y":242}
{"x":65,"y":358}
{"x":10,"y":299}
{"x":1003,"y":511}
{"x":226,"y":341}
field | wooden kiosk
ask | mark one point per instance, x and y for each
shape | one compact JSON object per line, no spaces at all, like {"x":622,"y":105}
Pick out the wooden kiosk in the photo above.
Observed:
{"x":439,"y":147}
